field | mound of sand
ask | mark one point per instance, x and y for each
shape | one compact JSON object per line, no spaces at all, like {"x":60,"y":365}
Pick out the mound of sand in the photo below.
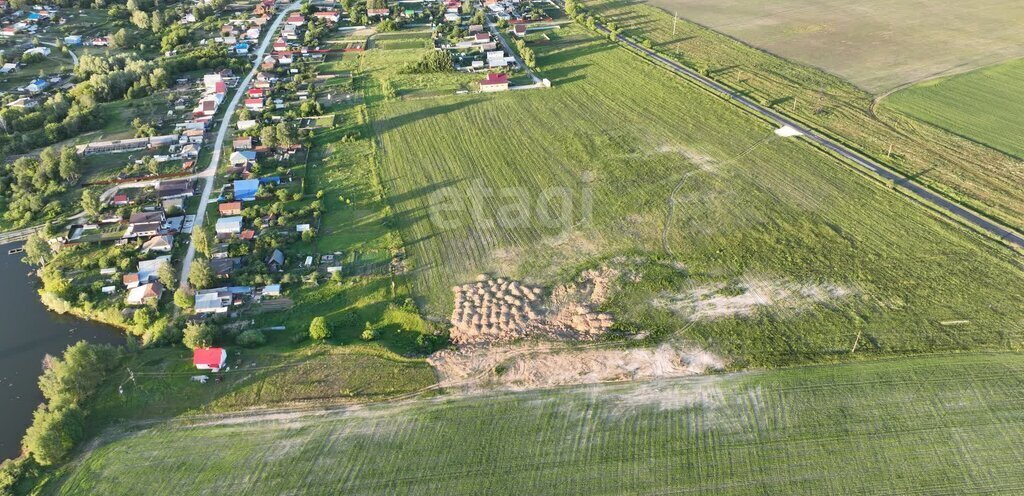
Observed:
{"x":536,"y":365}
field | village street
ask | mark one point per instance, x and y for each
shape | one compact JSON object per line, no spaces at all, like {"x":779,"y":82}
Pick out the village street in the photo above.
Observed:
{"x":210,"y":172}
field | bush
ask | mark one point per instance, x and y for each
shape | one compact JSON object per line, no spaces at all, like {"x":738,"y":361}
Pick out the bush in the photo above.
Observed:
{"x":251,"y":338}
{"x":318,"y":329}
{"x":368,"y":333}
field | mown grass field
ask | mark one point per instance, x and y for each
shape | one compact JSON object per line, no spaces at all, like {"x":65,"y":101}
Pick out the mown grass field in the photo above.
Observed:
{"x":930,"y":425}
{"x":877,"y":44}
{"x":748,"y":207}
{"x":961,"y":170}
{"x":984,"y":105}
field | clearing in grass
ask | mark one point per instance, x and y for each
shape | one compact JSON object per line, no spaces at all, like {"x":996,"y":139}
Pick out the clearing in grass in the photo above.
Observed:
{"x":876,"y":427}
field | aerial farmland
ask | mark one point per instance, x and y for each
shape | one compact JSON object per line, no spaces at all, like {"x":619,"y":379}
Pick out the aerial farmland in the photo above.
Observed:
{"x":539,"y":247}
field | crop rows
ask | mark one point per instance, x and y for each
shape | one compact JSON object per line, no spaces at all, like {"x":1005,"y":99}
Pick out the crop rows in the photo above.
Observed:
{"x":941,"y":424}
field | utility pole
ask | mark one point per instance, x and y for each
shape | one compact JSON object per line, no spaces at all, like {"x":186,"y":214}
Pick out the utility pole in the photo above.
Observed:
{"x":855,"y":342}
{"x":675,"y":17}
{"x":889,"y":153}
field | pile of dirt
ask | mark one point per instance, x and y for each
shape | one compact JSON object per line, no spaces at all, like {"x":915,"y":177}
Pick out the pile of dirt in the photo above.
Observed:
{"x":536,"y":365}
{"x":574,"y":305}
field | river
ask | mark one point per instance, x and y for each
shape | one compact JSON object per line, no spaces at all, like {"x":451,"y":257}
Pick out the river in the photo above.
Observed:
{"x":28,"y":333}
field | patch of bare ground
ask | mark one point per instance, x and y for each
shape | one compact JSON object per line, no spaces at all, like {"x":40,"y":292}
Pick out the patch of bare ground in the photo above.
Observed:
{"x":491,"y":312}
{"x":538,"y":365}
{"x":746,"y":297}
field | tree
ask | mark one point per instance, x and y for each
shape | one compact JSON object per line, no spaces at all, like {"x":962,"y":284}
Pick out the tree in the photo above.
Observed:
{"x":308,"y":234}
{"x":268,"y":136}
{"x":52,"y":434}
{"x":318,"y":329}
{"x":201,"y":275}
{"x":37,"y":250}
{"x":199,"y":335}
{"x":528,"y":57}
{"x":120,"y":39}
{"x":183,"y":298}
{"x":91,"y":204}
{"x":201,"y":240}
{"x":166,"y":274}
{"x":285,"y":135}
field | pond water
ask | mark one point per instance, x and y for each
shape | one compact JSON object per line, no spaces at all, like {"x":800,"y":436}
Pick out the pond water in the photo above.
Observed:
{"x":28,"y":332}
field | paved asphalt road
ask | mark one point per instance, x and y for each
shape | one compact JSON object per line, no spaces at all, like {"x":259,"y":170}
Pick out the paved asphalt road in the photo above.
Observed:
{"x":211,"y":170}
{"x":953,"y":209}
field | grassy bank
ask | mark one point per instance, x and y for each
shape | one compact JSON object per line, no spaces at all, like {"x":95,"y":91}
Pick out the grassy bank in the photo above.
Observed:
{"x":910,"y":426}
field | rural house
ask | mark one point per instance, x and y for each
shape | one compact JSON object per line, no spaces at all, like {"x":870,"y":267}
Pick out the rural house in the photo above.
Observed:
{"x":212,"y":359}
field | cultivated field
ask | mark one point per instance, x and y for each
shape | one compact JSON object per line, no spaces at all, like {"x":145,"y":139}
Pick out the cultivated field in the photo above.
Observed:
{"x":984,"y":105}
{"x":966,"y":172}
{"x":877,"y":44}
{"x":940,"y":424}
{"x":775,"y":252}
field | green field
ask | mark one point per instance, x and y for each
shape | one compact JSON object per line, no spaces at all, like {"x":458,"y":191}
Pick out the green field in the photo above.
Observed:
{"x":957,"y":168}
{"x":749,"y":208}
{"x":984,"y":105}
{"x":932,"y":425}
{"x":877,"y":44}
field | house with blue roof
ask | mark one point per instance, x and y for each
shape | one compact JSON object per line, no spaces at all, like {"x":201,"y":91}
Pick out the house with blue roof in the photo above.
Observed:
{"x":37,"y":85}
{"x":245,"y":189}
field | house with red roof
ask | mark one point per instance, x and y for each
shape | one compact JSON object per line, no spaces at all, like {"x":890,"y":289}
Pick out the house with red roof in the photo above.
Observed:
{"x":255,"y":93}
{"x":120,"y":200}
{"x":295,"y":20}
{"x":212,"y":359}
{"x":378,"y":12}
{"x":255,"y":104}
{"x":230,"y":208}
{"x":280,"y":45}
{"x":494,"y":82}
{"x":518,"y":30}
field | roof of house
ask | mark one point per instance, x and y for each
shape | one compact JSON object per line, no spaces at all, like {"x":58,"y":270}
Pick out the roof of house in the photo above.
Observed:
{"x":247,"y":234}
{"x":224,"y":266}
{"x":209,"y":357}
{"x":146,"y":217}
{"x":130,"y":278}
{"x":276,"y":257}
{"x":165,"y":241}
{"x":495,"y":78}
{"x":120,"y":198}
{"x":235,"y":206}
{"x":144,"y":292}
{"x":233,"y":224}
{"x":245,"y":189}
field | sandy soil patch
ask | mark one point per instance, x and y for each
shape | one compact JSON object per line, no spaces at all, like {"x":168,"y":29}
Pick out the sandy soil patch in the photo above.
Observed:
{"x":537,"y":365}
{"x":723,"y":300}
